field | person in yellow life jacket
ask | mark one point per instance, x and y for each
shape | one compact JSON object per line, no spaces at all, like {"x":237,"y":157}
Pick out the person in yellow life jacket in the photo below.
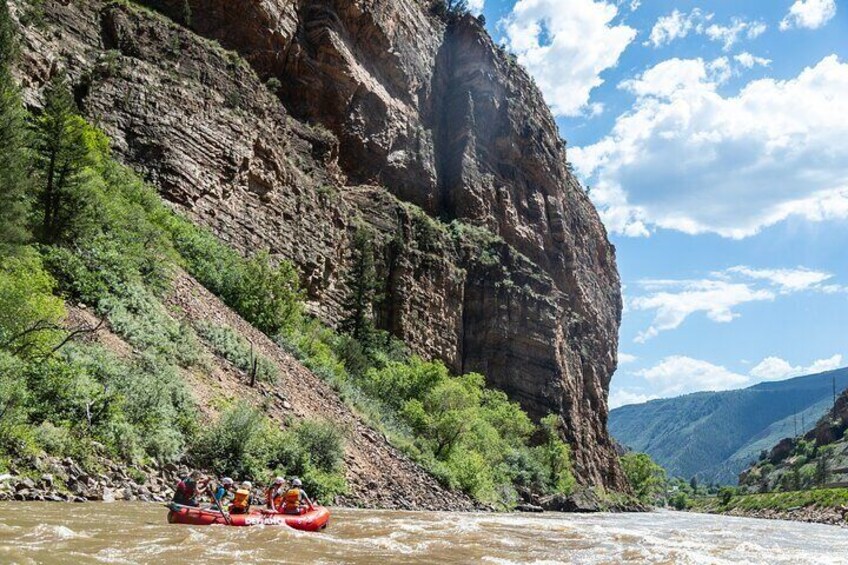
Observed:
{"x":241,"y":499}
{"x":295,"y":499}
{"x":275,"y":493}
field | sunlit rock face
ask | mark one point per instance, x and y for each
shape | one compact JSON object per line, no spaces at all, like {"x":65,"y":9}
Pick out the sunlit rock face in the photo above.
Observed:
{"x":378,"y":114}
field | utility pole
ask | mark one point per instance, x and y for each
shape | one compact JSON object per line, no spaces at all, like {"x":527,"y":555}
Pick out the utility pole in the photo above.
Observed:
{"x":833,"y":406}
{"x":795,"y":422}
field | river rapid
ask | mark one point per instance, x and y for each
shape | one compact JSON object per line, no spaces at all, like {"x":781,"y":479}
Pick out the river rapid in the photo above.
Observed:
{"x":139,"y":533}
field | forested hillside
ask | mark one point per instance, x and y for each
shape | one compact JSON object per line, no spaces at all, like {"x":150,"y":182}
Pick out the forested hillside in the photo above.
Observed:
{"x":715,"y":435}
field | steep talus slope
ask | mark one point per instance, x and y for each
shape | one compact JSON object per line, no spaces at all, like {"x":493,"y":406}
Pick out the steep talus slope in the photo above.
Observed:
{"x":715,"y":435}
{"x":378,"y":475}
{"x":422,"y":113}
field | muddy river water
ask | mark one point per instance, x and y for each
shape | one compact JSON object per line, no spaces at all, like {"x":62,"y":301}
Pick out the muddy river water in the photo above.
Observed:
{"x":139,"y":533}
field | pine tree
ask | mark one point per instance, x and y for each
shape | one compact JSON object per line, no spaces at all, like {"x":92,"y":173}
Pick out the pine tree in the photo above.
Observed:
{"x":62,"y":157}
{"x":14,"y":182}
{"x":363,"y":287}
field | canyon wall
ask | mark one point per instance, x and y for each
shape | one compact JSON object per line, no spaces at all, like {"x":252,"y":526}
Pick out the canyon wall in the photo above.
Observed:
{"x":288,"y":125}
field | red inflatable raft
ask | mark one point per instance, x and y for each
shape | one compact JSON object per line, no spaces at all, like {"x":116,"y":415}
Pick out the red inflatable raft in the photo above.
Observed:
{"x":312,"y":520}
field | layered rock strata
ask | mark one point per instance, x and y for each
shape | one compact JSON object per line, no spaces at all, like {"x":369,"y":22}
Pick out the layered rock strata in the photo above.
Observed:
{"x":378,"y":114}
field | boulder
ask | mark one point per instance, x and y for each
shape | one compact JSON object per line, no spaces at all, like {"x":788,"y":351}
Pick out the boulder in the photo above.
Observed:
{"x":25,"y":484}
{"x":582,"y":500}
{"x":529,"y":508}
{"x":107,"y":495}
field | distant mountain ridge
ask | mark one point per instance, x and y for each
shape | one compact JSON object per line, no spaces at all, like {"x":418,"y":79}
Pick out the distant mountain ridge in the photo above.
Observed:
{"x":716,"y":435}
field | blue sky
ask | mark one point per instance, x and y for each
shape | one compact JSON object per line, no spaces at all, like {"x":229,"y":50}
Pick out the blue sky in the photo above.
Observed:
{"x":713,"y":135}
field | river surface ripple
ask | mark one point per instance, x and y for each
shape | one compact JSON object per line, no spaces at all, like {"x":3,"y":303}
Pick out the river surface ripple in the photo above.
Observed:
{"x":138,"y":533}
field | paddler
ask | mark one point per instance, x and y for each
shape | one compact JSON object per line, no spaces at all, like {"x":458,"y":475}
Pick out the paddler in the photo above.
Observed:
{"x":241,"y":499}
{"x":187,"y":489}
{"x":225,"y":488}
{"x":295,"y":498}
{"x":275,"y":493}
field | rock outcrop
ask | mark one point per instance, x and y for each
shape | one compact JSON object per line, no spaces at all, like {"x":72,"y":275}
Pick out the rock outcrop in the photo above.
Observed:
{"x":378,"y":115}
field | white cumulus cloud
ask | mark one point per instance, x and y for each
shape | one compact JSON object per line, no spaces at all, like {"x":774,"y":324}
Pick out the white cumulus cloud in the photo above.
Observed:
{"x":624,"y":358}
{"x":810,"y":14}
{"x":678,"y":25}
{"x":729,"y":35}
{"x":566,"y":48}
{"x":476,"y":6}
{"x":718,"y":297}
{"x":679,"y":374}
{"x":750,"y":61}
{"x":788,"y":280}
{"x":674,"y":301}
{"x":775,"y":368}
{"x":621,"y":397}
{"x":687,"y":158}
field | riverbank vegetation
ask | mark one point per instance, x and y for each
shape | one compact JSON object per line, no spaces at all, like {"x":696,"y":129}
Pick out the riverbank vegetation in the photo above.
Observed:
{"x":82,"y":232}
{"x":730,"y":500}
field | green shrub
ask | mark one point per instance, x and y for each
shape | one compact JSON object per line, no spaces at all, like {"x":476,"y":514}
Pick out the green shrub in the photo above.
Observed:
{"x":29,"y":312}
{"x":139,"y":317}
{"x":680,"y":501}
{"x":267,"y":296}
{"x":235,"y":349}
{"x":244,"y":443}
{"x":237,"y":445}
{"x":555,"y":456}
{"x":725,"y":494}
{"x":323,"y":442}
{"x":646,"y":477}
{"x":274,"y":85}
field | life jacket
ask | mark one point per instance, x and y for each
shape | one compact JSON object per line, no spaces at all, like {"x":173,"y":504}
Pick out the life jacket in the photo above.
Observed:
{"x":241,"y":500}
{"x":291,"y":501}
{"x":274,"y":497}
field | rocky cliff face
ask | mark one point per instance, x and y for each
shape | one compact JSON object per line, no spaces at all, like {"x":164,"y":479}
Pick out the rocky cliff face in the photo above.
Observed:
{"x":494,"y":259}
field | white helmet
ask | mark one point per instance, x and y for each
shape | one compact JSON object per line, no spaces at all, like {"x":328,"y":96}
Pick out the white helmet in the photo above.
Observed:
{"x":226,"y":481}
{"x":279,"y":481}
{"x":296,"y":482}
{"x":247,"y":484}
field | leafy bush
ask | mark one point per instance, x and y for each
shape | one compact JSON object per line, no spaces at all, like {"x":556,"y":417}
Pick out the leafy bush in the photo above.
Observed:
{"x":237,"y":445}
{"x":235,"y":349}
{"x":244,"y":443}
{"x":555,"y":456}
{"x":680,"y":501}
{"x":323,"y":442}
{"x":646,"y":477}
{"x":268,"y":297}
{"x":725,"y":495}
{"x":29,"y":312}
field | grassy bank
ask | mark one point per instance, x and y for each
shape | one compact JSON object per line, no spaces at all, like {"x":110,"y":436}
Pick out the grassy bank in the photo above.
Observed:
{"x":778,"y":501}
{"x":823,"y":506}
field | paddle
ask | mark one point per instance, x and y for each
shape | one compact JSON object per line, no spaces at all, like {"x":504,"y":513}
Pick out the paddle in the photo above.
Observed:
{"x":217,"y":502}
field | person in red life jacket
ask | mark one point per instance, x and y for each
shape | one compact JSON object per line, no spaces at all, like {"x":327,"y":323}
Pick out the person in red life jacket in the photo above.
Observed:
{"x":241,"y":499}
{"x":188,"y":488}
{"x":295,"y":500}
{"x":275,"y":493}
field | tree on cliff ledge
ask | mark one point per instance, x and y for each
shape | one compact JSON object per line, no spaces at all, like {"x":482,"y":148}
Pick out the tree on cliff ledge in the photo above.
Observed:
{"x":62,"y":156}
{"x":450,"y":10}
{"x":362,"y":291}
